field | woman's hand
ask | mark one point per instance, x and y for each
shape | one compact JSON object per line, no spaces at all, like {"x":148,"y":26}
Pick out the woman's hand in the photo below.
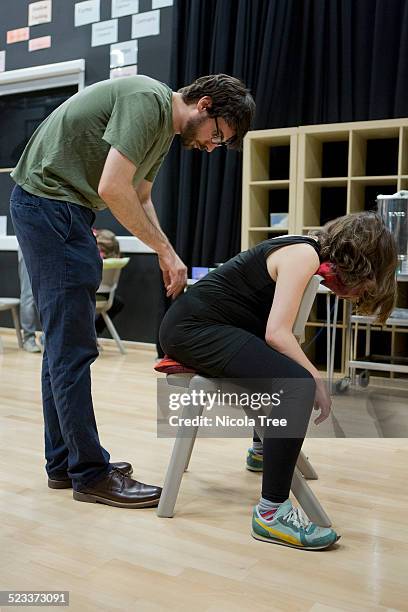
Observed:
{"x":322,"y":401}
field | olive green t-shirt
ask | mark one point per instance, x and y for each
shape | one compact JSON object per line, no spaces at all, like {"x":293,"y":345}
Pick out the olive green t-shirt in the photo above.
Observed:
{"x":65,"y":156}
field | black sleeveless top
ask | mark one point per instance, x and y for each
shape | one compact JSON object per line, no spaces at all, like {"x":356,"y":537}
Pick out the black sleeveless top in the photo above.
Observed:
{"x":208,"y":324}
{"x":240,"y":292}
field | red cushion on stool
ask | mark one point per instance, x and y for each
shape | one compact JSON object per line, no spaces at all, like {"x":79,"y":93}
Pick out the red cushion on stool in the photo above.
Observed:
{"x":167,"y":365}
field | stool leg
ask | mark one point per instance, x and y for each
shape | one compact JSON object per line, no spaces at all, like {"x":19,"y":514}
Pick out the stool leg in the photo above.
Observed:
{"x":308,"y":501}
{"x":306,"y":467}
{"x":192,"y":441}
{"x":180,"y":457}
{"x":16,"y":321}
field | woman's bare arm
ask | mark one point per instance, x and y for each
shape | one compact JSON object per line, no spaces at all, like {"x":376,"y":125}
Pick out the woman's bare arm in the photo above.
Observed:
{"x":291,"y":267}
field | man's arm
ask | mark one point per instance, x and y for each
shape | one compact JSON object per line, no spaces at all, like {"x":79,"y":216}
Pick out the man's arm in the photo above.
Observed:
{"x":116,"y":190}
{"x":144,"y":191}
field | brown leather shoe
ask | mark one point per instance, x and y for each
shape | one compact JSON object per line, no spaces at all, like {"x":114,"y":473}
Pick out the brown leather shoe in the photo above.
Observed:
{"x":64,"y":482}
{"x":120,"y":491}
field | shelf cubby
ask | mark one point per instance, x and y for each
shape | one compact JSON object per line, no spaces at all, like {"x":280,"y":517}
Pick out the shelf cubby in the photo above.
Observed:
{"x":266,"y":199}
{"x":279,"y":201}
{"x":363,"y":193}
{"x":375,"y":152}
{"x":326,"y":155}
{"x":279,"y":162}
{"x":270,"y":158}
{"x":323,"y":203}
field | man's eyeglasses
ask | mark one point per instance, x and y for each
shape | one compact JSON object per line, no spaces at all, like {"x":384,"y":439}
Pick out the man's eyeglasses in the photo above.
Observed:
{"x":218,"y":137}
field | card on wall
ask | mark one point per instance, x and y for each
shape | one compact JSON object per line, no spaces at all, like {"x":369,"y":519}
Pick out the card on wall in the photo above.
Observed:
{"x":120,"y":8}
{"x":18,"y":35}
{"x":121,"y":72}
{"x":2,"y":61}
{"x":123,"y":54}
{"x":39,"y":12}
{"x":44,"y":42}
{"x":104,"y":32}
{"x":146,"y":24}
{"x":87,"y":12}
{"x":158,"y":4}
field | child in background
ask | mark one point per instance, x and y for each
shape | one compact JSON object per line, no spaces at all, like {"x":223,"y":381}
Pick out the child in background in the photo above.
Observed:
{"x":29,"y":319}
{"x":108,"y":246}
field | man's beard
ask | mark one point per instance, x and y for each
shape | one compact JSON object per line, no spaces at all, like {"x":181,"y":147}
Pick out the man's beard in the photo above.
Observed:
{"x":189,"y":134}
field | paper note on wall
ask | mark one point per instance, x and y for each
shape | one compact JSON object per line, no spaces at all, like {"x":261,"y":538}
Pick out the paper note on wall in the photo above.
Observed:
{"x":123,"y":54}
{"x":39,"y":12}
{"x":104,"y":32}
{"x":39,"y":43}
{"x":3,"y":225}
{"x":120,"y":8}
{"x":2,"y":61}
{"x":157,"y":4}
{"x":87,"y":12}
{"x":14,"y":36}
{"x":122,"y":72}
{"x":146,"y":24}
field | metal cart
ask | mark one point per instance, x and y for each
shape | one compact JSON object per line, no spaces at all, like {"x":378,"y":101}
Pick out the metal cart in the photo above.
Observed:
{"x":353,"y":364}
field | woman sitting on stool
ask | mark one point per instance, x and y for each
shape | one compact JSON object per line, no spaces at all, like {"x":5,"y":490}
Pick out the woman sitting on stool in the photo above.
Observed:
{"x":237,"y":323}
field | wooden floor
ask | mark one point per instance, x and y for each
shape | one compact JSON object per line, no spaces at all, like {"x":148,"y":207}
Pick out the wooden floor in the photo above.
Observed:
{"x":203,"y":559}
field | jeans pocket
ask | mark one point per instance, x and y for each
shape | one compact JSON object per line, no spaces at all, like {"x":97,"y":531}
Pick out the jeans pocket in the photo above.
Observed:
{"x":59,"y":217}
{"x":20,"y":197}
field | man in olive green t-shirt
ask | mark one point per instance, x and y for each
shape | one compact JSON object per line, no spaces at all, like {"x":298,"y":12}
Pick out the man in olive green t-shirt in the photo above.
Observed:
{"x":103,"y":148}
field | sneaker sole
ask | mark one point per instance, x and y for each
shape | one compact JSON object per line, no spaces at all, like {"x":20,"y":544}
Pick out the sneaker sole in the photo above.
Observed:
{"x":282,"y":543}
{"x":253,"y":469}
{"x":95,"y":499}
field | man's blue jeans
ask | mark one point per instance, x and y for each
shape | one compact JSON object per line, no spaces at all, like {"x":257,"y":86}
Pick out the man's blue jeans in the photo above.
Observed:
{"x":65,"y":269}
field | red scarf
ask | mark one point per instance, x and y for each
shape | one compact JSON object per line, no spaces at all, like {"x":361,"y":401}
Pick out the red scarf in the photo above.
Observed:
{"x":332,"y":279}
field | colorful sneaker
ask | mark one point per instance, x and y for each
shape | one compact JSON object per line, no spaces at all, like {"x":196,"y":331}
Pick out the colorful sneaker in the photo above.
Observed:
{"x":254,"y":462}
{"x":290,"y":527}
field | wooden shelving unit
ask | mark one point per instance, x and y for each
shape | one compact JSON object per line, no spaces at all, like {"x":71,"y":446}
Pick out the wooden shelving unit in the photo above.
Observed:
{"x":269,"y":182}
{"x":317,"y":173}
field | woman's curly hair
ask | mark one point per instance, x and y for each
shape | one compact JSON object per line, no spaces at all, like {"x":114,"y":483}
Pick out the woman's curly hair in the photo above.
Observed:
{"x":365,"y":253}
{"x":231,"y":100}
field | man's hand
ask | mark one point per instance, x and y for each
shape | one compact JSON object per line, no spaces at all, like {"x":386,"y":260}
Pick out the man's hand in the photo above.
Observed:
{"x":174,"y":272}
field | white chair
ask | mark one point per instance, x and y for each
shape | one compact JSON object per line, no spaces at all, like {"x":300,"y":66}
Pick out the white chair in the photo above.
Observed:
{"x":112,"y":269}
{"x":184,"y":442}
{"x":13,"y":305}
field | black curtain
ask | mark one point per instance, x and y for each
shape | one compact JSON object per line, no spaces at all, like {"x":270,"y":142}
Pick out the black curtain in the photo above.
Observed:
{"x":305,"y":61}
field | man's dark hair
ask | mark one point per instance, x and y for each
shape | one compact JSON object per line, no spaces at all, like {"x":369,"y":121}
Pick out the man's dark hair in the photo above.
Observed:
{"x":231,"y":100}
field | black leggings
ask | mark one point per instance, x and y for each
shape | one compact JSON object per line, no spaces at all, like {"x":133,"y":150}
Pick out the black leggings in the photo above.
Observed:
{"x":257,"y":360}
